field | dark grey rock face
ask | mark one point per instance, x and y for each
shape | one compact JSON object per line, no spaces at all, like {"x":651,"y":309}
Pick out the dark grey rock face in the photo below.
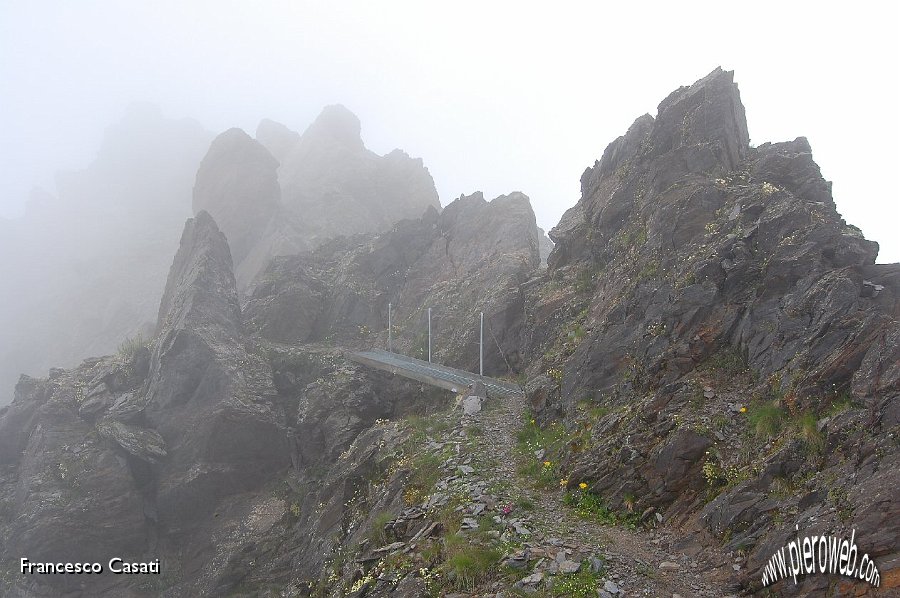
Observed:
{"x":469,"y":258}
{"x":686,"y":245}
{"x":65,"y":492}
{"x":714,"y":246}
{"x":130,"y":455}
{"x":209,"y":398}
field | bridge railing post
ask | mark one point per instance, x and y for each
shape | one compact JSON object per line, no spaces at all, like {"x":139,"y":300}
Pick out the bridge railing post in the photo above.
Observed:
{"x":481,"y":347}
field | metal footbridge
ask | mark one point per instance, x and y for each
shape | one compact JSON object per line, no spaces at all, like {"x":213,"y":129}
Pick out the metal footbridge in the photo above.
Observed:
{"x":434,"y":374}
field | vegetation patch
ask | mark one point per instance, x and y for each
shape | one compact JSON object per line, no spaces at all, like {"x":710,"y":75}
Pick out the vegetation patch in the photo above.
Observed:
{"x":583,"y":584}
{"x":377,"y":534}
{"x":592,"y":506}
{"x":648,"y":271}
{"x":468,"y":564}
{"x":766,"y":419}
{"x":727,"y":363}
{"x":129,"y":348}
{"x":534,"y":440}
{"x":808,"y":430}
{"x":425,"y":471}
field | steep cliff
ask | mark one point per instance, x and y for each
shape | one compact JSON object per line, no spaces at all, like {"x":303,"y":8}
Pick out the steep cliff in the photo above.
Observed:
{"x":735,"y":331}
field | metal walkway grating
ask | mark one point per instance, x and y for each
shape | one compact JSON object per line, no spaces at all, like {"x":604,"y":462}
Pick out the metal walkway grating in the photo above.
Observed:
{"x":433,"y":373}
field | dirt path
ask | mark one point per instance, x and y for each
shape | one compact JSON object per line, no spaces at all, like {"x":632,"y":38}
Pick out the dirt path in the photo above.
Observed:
{"x":632,"y":558}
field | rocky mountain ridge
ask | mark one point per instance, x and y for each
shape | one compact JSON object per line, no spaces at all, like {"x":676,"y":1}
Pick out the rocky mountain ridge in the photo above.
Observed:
{"x":710,"y":357}
{"x":283,"y":192}
{"x":124,"y":211}
{"x":194,"y":431}
{"x":734,"y":327}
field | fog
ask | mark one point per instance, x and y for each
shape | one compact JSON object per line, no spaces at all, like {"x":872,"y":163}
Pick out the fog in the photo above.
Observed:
{"x":509,"y":96}
{"x":499,"y":97}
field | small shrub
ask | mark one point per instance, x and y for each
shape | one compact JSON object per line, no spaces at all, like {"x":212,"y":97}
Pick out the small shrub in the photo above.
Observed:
{"x":295,"y":510}
{"x":841,"y":402}
{"x":782,"y":487}
{"x":649,"y":270}
{"x":555,"y":374}
{"x":580,"y":585}
{"x":525,"y":503}
{"x":837,"y":495}
{"x":591,"y":410}
{"x":713,"y":472}
{"x":584,"y":283}
{"x":425,"y":471}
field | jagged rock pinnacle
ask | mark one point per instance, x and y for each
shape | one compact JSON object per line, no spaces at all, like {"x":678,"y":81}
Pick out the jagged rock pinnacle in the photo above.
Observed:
{"x":238,"y":184}
{"x":338,"y":124}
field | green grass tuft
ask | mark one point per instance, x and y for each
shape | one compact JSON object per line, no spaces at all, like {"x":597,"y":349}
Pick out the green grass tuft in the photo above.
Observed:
{"x":766,"y":419}
{"x":377,"y":535}
{"x":467,"y":564}
{"x":807,"y":428}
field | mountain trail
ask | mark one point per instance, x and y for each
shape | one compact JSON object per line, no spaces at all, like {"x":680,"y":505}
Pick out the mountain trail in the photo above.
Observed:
{"x":630,"y":562}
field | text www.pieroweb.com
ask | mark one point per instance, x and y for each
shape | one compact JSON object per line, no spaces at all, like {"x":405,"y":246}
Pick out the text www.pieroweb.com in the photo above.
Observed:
{"x":820,"y":554}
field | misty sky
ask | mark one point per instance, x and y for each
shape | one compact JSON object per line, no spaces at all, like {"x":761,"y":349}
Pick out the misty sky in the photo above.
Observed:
{"x":494,"y":96}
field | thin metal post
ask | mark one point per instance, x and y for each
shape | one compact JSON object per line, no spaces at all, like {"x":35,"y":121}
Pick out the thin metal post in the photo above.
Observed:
{"x":429,"y":335}
{"x":390,"y":338}
{"x":481,"y":348}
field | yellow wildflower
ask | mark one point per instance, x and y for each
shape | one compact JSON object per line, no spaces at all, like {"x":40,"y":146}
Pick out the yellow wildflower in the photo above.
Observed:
{"x":547,"y":464}
{"x":743,"y":410}
{"x":583,"y":486}
{"x":564,"y":483}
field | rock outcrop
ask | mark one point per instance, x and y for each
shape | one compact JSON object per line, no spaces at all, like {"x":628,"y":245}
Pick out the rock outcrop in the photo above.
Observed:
{"x":691,"y":255}
{"x":467,"y":259}
{"x":207,"y":396}
{"x":128,"y":455}
{"x":327,"y":184}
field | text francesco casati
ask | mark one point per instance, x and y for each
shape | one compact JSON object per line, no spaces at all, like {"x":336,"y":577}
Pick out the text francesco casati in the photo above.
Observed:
{"x":115,"y":565}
